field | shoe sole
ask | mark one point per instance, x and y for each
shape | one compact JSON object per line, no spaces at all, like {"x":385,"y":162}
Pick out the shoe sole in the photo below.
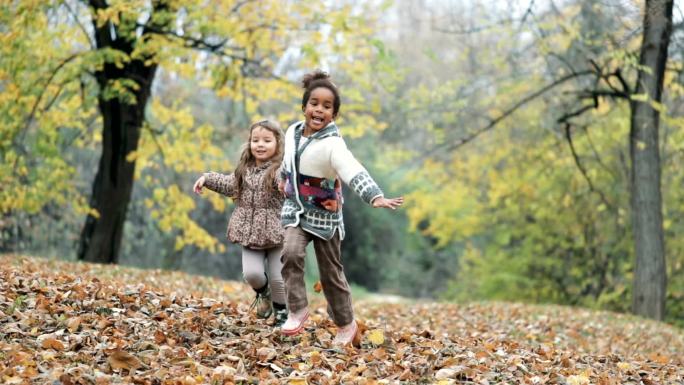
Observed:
{"x":298,"y":329}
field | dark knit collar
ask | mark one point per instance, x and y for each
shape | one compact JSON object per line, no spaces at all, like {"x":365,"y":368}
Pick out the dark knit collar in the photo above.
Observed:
{"x":329,"y":130}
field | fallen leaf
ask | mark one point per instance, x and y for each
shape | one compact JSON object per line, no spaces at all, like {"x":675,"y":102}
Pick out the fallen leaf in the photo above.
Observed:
{"x":266,"y":354}
{"x":65,"y":379}
{"x":224,"y":370}
{"x":73,"y":324}
{"x":159,"y":336}
{"x":361,"y":328}
{"x":376,"y":337}
{"x":120,"y":359}
{"x":51,"y":343}
{"x":578,"y":380}
{"x":659,"y":358}
{"x":447,"y":373}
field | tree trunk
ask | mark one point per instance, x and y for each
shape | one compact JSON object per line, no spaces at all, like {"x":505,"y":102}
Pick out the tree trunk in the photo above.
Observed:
{"x":101,"y":236}
{"x":650,"y":276}
{"x":122,"y":121}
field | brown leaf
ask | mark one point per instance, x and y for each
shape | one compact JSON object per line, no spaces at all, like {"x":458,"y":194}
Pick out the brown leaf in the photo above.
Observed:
{"x":120,"y":359}
{"x":318,"y":286}
{"x":73,"y":323}
{"x":659,"y":358}
{"x":65,"y":379}
{"x":159,"y":336}
{"x":266,"y":354}
{"x":405,"y":375}
{"x":51,"y":343}
{"x":426,"y":334}
{"x":160,"y":315}
{"x":360,"y":329}
{"x":189,"y":337}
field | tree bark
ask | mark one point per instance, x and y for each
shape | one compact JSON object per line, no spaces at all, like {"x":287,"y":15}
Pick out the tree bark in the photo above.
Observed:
{"x":650,"y":276}
{"x":101,"y":236}
{"x":122,"y":121}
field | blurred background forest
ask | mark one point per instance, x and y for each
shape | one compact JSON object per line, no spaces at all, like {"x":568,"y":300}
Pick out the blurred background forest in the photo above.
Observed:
{"x":505,"y":124}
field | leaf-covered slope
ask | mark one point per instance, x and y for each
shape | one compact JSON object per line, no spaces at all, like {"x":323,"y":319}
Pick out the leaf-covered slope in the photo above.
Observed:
{"x":74,"y":323}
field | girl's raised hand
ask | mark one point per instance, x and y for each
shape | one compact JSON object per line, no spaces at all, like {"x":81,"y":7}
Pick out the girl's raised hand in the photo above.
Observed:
{"x":390,"y":203}
{"x":199,"y":183}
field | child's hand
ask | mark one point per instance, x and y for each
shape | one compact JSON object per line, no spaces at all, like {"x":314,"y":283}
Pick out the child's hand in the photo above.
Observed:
{"x":197,"y":188}
{"x":281,"y":187}
{"x":390,"y":203}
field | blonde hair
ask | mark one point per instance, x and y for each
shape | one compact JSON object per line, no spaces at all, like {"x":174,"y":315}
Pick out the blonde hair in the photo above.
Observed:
{"x":248,"y":160}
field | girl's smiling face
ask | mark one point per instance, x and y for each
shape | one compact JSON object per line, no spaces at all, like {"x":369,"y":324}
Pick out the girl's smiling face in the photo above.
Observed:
{"x":319,"y":110}
{"x":262,"y":144}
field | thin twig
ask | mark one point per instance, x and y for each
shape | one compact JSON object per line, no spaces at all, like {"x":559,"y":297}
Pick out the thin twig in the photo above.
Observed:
{"x":34,"y":108}
{"x":493,"y":122}
{"x":75,"y":16}
{"x":583,"y":171}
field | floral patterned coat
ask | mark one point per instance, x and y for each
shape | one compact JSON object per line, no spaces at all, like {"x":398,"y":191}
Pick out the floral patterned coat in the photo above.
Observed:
{"x":255,"y":222}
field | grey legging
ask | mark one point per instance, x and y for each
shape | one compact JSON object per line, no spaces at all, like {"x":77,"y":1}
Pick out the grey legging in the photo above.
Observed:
{"x":253,"y":270}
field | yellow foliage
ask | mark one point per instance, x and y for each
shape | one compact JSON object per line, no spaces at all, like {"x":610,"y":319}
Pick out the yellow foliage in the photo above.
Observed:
{"x":175,"y":147}
{"x":172,"y":208}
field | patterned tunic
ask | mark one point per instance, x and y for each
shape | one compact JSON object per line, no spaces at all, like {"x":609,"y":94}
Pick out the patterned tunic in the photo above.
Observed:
{"x":255,"y":222}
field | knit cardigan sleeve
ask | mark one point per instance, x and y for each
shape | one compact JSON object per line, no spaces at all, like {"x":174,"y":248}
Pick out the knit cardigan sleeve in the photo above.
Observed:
{"x":353,"y":173}
{"x":221,"y":183}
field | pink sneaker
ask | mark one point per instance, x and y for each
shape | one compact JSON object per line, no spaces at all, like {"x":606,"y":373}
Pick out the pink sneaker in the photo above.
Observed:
{"x":295,"y":322}
{"x":345,"y":334}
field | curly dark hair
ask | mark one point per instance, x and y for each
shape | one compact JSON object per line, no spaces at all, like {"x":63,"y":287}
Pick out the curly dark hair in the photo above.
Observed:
{"x":316,"y":79}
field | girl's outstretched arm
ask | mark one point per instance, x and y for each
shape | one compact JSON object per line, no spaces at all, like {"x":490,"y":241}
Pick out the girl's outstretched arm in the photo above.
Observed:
{"x":199,"y":183}
{"x":221,"y":183}
{"x":390,"y":203}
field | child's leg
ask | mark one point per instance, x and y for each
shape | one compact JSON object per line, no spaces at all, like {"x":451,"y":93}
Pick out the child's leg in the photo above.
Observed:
{"x":254,"y":274}
{"x":294,"y":253}
{"x":334,"y":282}
{"x":275,"y":277}
{"x":253,"y":267}
{"x":275,"y":281}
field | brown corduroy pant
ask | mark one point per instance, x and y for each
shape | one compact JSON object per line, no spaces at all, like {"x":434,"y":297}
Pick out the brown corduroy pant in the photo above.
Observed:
{"x":330,"y":269}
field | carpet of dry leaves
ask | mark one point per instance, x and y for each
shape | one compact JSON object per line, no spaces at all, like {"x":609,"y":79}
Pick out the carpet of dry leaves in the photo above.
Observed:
{"x":75,"y":323}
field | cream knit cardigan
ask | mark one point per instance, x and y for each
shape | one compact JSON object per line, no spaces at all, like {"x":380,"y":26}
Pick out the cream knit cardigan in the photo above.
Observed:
{"x":325,"y":155}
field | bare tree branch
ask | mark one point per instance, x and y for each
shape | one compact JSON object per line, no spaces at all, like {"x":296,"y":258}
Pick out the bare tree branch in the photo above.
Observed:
{"x":493,"y":122}
{"x":568,"y":136}
{"x":219,"y":49}
{"x":486,"y":27}
{"x":34,"y":108}
{"x":17,"y":141}
{"x":190,"y":42}
{"x":566,"y":117}
{"x":593,"y":94}
{"x":239,"y":5}
{"x":595,"y":151}
{"x":450,"y":146}
{"x":74,"y":15}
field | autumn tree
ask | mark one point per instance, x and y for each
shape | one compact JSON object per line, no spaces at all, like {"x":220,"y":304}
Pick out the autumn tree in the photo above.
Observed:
{"x":246,"y":35}
{"x":645,"y":106}
{"x":107,"y":55}
{"x":650,"y":277}
{"x":543,"y":222}
{"x":116,"y":29}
